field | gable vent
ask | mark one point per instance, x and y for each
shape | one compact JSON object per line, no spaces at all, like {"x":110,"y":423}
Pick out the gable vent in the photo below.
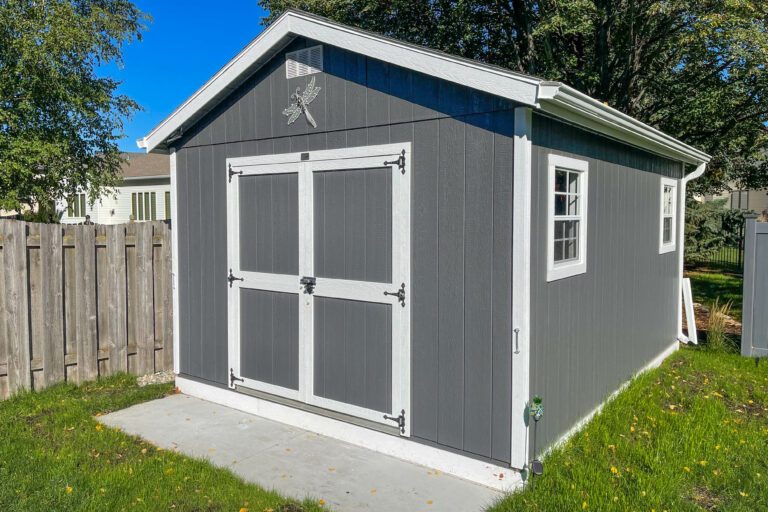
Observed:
{"x":304,"y":62}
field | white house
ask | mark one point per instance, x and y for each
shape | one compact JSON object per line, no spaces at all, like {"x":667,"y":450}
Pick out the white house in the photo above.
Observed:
{"x":144,"y":194}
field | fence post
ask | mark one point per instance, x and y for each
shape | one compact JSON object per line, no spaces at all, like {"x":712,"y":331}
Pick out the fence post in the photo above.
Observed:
{"x":16,"y":303}
{"x":748,"y":294}
{"x":52,"y":284}
{"x":167,"y":300}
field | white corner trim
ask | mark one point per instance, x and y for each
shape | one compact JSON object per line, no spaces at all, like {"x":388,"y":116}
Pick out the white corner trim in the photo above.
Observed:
{"x":483,"y":473}
{"x":521,"y":284}
{"x":669,"y":246}
{"x":567,"y":269}
{"x":655,"y":363}
{"x":175,"y":263}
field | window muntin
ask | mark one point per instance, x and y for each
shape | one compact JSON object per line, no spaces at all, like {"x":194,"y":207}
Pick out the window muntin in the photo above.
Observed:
{"x":668,"y":216}
{"x":567,"y":217}
{"x":143,"y":206}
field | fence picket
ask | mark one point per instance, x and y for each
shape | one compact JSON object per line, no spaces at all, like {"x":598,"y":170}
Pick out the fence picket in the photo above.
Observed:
{"x":85,"y":273}
{"x":118,"y":350}
{"x":145,"y":335}
{"x":53,"y":303}
{"x":16,"y":306}
{"x":167,"y":265}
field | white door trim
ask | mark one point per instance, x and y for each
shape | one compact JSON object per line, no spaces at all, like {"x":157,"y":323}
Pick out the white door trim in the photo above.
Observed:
{"x":305,"y":164}
{"x":175,"y":263}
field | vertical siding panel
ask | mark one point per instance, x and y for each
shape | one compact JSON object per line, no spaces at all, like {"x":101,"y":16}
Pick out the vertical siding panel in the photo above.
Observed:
{"x":377,"y":96}
{"x":182,"y":224}
{"x":209,"y":273}
{"x":356,"y":92}
{"x":219,"y":289}
{"x":247,"y":113}
{"x":424,"y":243}
{"x":478,"y":288}
{"x":262,"y":104}
{"x":451,"y":283}
{"x":502,"y":293}
{"x":400,"y":104}
{"x":195,"y":267}
{"x":426,"y":96}
{"x":334,"y":66}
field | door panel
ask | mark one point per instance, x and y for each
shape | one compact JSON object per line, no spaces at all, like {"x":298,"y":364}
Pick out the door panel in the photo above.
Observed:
{"x":353,"y":224}
{"x":269,"y":223}
{"x":269,"y":337}
{"x":353,"y":353}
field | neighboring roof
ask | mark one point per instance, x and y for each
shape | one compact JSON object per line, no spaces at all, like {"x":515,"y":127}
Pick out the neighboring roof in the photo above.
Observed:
{"x":145,"y":165}
{"x":554,"y":98}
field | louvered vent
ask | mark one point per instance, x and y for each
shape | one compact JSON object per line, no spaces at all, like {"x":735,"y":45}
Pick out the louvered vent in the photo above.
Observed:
{"x":304,"y":62}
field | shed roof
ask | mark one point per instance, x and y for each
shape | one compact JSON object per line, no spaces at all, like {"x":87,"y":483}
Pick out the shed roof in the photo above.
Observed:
{"x":554,"y":98}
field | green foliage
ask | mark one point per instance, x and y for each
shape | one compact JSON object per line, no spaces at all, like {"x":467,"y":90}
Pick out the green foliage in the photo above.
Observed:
{"x":59,"y":120}
{"x":708,"y":287}
{"x":718,"y":339}
{"x":693,"y":68}
{"x":55,"y":457}
{"x":709,"y":226}
{"x":689,"y":436}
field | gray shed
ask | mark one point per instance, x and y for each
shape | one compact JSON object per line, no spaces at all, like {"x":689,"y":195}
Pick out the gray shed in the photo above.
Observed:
{"x":400,"y":248}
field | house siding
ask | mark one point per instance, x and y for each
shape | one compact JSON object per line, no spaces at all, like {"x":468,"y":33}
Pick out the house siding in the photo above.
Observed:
{"x":594,"y":331}
{"x":461,"y":227}
{"x":117,"y":209}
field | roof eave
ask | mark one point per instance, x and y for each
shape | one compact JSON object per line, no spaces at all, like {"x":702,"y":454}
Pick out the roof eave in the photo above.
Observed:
{"x":566,"y":102}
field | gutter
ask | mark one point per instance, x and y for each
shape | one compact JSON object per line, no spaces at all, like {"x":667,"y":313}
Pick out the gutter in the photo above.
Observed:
{"x":681,"y":248}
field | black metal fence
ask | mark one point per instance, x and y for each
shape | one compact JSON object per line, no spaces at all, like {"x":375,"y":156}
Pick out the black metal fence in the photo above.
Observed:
{"x":730,"y":257}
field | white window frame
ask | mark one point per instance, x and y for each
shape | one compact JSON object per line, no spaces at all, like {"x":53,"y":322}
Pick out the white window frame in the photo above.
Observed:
{"x":562,"y":270}
{"x":671,"y":246}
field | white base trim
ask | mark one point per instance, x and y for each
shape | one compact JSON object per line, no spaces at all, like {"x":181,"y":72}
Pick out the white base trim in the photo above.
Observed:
{"x":483,"y":473}
{"x":655,"y":363}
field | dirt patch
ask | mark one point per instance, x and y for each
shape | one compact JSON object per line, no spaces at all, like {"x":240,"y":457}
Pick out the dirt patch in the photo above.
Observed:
{"x":701,"y":313}
{"x":705,"y":499}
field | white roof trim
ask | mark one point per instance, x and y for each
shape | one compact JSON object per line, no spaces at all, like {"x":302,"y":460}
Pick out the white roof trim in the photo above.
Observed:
{"x":555,"y":98}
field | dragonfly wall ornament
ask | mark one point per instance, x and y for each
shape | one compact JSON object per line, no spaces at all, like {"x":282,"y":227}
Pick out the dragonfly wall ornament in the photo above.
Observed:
{"x":301,"y":101}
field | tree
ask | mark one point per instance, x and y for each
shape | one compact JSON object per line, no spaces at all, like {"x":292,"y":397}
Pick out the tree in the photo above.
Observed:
{"x":695,"y":69}
{"x":59,"y":121}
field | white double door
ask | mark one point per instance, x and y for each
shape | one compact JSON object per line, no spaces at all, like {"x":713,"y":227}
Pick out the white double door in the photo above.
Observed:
{"x":319,"y":276}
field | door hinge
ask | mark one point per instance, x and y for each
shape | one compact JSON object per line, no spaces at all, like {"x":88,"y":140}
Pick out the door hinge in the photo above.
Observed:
{"x":232,"y":173}
{"x":400,"y":162}
{"x":400,"y":420}
{"x":232,"y":378}
{"x":400,"y":294}
{"x":232,"y":278}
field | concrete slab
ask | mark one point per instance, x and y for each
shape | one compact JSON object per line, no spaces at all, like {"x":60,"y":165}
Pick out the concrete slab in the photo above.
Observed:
{"x":296,"y":462}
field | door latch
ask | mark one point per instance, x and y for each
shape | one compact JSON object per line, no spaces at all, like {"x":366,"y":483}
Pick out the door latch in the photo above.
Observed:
{"x":400,"y":294}
{"x":232,"y":278}
{"x":309,"y":284}
{"x":400,"y":420}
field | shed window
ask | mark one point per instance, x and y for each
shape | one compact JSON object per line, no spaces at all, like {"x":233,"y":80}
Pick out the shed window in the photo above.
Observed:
{"x":567,"y":217}
{"x":143,"y":206}
{"x":668,"y":215}
{"x":76,"y":206}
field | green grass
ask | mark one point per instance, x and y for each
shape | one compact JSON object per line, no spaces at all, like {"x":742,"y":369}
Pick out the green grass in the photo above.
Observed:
{"x":709,"y":286}
{"x":691,"y":435}
{"x":55,"y":457}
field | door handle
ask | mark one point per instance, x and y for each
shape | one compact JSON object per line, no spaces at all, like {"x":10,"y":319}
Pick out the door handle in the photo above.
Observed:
{"x":400,"y":294}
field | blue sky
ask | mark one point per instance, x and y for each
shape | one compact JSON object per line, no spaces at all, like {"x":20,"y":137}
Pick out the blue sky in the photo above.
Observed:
{"x":186,"y":43}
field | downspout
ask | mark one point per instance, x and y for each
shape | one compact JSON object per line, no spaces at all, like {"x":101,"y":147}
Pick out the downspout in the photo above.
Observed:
{"x":681,"y":248}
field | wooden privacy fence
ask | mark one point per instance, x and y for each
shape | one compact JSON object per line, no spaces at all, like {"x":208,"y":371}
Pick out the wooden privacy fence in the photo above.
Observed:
{"x":77,"y":302}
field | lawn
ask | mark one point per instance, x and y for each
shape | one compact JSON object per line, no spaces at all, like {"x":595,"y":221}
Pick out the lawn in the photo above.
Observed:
{"x":691,"y":435}
{"x":55,"y":457}
{"x":707,"y":286}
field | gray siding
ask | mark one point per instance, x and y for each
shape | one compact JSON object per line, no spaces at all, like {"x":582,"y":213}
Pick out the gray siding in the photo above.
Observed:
{"x":353,"y":352}
{"x":269,"y":334}
{"x":461,"y":228}
{"x":592,"y":332}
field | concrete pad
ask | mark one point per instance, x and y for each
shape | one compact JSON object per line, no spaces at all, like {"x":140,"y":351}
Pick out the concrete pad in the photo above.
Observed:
{"x":295,"y":462}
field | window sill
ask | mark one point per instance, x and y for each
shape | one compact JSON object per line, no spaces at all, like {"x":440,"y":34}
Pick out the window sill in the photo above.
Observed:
{"x":667,"y":248}
{"x":557,"y":272}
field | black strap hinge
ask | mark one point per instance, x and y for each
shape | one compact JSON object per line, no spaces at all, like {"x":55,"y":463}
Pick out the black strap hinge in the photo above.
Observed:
{"x":400,"y":162}
{"x":400,"y":420}
{"x":232,"y":378}
{"x":232,"y":173}
{"x":400,"y":294}
{"x":232,"y":278}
